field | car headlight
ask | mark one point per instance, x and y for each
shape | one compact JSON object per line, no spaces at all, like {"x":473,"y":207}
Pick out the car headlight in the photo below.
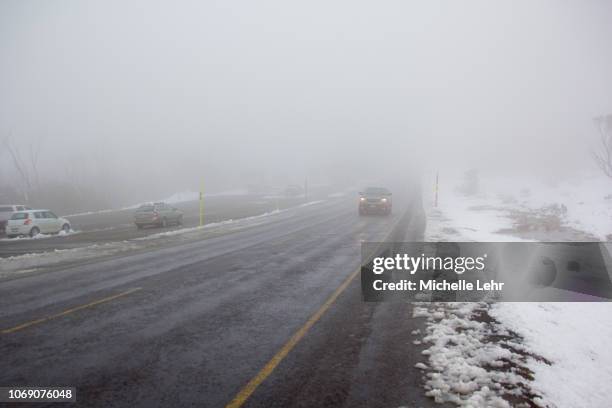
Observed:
{"x":384,"y":200}
{"x":362,"y":199}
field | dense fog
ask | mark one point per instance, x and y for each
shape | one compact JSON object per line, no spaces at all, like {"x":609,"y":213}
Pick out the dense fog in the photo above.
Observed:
{"x":139,"y":99}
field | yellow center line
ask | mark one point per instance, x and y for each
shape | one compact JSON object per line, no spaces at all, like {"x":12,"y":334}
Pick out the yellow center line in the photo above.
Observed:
{"x":68,"y":311}
{"x":265,"y":372}
{"x":248,"y":389}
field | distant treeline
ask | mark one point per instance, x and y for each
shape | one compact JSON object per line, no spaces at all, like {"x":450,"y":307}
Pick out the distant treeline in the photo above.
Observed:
{"x":59,"y":197}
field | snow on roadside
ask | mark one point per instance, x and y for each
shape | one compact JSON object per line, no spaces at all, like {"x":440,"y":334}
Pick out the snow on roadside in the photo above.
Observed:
{"x":184,"y":196}
{"x":587,"y":199}
{"x":465,"y":366}
{"x":547,"y":354}
{"x":190,"y":230}
{"x":309,"y":203}
{"x":575,"y":337}
{"x":585,"y":202}
{"x":62,"y":233}
{"x":20,"y":264}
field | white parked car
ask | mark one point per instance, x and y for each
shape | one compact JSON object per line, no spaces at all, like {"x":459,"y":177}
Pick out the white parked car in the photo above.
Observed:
{"x":34,"y":222}
{"x":6,"y":211}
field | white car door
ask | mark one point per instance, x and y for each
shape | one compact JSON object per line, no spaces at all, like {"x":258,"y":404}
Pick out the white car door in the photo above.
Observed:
{"x":53,"y":223}
{"x":41,"y":222}
{"x":44,"y":223}
{"x":38,"y":221}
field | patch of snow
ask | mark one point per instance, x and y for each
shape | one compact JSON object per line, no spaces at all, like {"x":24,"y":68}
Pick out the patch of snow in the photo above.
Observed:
{"x":311,"y":203}
{"x":30,"y":262}
{"x":62,"y":233}
{"x":575,"y":337}
{"x":462,"y":361}
{"x":458,"y":222}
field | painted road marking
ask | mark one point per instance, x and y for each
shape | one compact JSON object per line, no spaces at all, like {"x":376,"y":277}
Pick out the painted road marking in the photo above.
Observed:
{"x":68,"y":311}
{"x":248,"y":389}
{"x":265,"y":372}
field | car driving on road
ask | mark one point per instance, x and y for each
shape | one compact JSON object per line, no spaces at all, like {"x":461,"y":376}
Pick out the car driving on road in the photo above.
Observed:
{"x":34,"y":222}
{"x":375,"y":200}
{"x":157,"y":214}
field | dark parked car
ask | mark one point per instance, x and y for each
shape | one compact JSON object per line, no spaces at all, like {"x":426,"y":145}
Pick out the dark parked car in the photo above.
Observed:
{"x":375,"y":200}
{"x":157,"y":214}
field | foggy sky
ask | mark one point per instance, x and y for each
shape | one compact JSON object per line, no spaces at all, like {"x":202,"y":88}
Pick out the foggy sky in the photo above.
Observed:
{"x":166,"y":94}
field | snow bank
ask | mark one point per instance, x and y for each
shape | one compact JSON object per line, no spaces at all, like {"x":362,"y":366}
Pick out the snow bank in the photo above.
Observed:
{"x":62,"y":233}
{"x":29,"y":262}
{"x":183,"y":231}
{"x":309,"y":203}
{"x":464,"y":366}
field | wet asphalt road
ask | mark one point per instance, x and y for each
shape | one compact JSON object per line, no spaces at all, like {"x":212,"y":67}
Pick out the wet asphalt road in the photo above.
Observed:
{"x":194,"y":323}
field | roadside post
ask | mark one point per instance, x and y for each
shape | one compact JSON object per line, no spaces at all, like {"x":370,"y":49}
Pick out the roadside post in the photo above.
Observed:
{"x":436,"y":189}
{"x":201,"y":205}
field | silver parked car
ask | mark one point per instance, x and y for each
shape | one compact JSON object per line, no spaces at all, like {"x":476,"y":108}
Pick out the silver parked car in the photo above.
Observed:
{"x":157,"y":214}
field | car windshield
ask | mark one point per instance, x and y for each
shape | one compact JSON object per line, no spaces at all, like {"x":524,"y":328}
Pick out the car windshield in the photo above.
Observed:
{"x":376,"y":191}
{"x":145,"y":208}
{"x":19,"y":216}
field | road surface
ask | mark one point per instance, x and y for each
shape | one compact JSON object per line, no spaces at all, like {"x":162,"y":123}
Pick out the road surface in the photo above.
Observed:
{"x":196,"y":323}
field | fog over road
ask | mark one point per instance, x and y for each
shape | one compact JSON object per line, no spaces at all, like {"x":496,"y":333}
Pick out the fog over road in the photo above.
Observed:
{"x":191,"y":324}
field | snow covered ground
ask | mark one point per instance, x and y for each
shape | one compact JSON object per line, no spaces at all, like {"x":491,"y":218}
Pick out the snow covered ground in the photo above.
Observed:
{"x":547,"y":354}
{"x":575,"y":338}
{"x":583,"y":203}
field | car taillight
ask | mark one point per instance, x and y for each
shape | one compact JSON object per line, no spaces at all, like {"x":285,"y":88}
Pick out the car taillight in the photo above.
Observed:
{"x":27,"y":221}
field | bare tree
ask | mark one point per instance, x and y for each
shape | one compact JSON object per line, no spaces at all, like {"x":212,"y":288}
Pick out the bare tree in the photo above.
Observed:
{"x":34,"y":153}
{"x":603,"y":153}
{"x":20,"y":165}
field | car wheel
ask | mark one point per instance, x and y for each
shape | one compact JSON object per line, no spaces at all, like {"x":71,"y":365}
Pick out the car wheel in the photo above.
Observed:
{"x":66,"y":228}
{"x":179,"y":220}
{"x":139,"y":226}
{"x":164,"y":222}
{"x":34,"y":232}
